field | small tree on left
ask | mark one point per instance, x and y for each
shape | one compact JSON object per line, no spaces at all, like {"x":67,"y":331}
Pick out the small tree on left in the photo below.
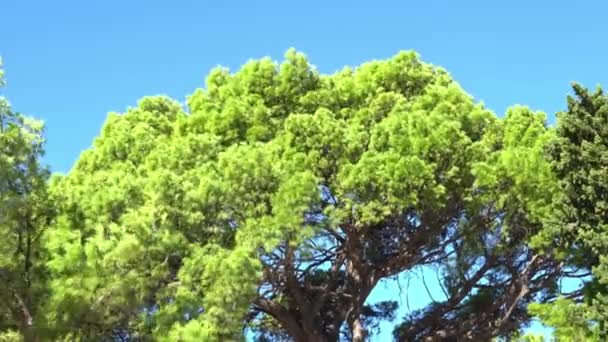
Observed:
{"x":25,"y":212}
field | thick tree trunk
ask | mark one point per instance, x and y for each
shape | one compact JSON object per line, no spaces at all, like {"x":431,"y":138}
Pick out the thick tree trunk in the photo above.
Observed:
{"x":315,"y":312}
{"x":301,"y":330}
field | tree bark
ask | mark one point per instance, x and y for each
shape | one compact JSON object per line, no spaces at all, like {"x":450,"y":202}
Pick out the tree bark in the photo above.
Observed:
{"x":358,"y":330}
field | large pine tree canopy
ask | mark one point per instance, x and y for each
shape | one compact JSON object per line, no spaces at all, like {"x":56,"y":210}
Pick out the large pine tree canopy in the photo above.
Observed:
{"x":272,"y":204}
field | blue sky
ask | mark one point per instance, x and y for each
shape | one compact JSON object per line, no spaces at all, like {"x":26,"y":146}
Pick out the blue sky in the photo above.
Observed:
{"x":71,"y":62}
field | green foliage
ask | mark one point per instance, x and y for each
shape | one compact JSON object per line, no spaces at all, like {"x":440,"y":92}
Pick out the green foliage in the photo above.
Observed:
{"x":280,"y":197}
{"x":509,"y":198}
{"x":163,"y":221}
{"x":570,"y":321}
{"x":579,"y":230}
{"x":531,"y":338}
{"x":579,"y":156}
{"x":10,"y":336}
{"x":25,"y":213}
{"x":516,"y":174}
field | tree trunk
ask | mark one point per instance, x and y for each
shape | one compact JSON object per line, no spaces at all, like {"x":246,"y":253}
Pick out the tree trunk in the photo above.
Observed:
{"x":358,"y":330}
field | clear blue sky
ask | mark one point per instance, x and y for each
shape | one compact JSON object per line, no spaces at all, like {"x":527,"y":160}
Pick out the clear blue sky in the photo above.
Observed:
{"x":70,"y":62}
